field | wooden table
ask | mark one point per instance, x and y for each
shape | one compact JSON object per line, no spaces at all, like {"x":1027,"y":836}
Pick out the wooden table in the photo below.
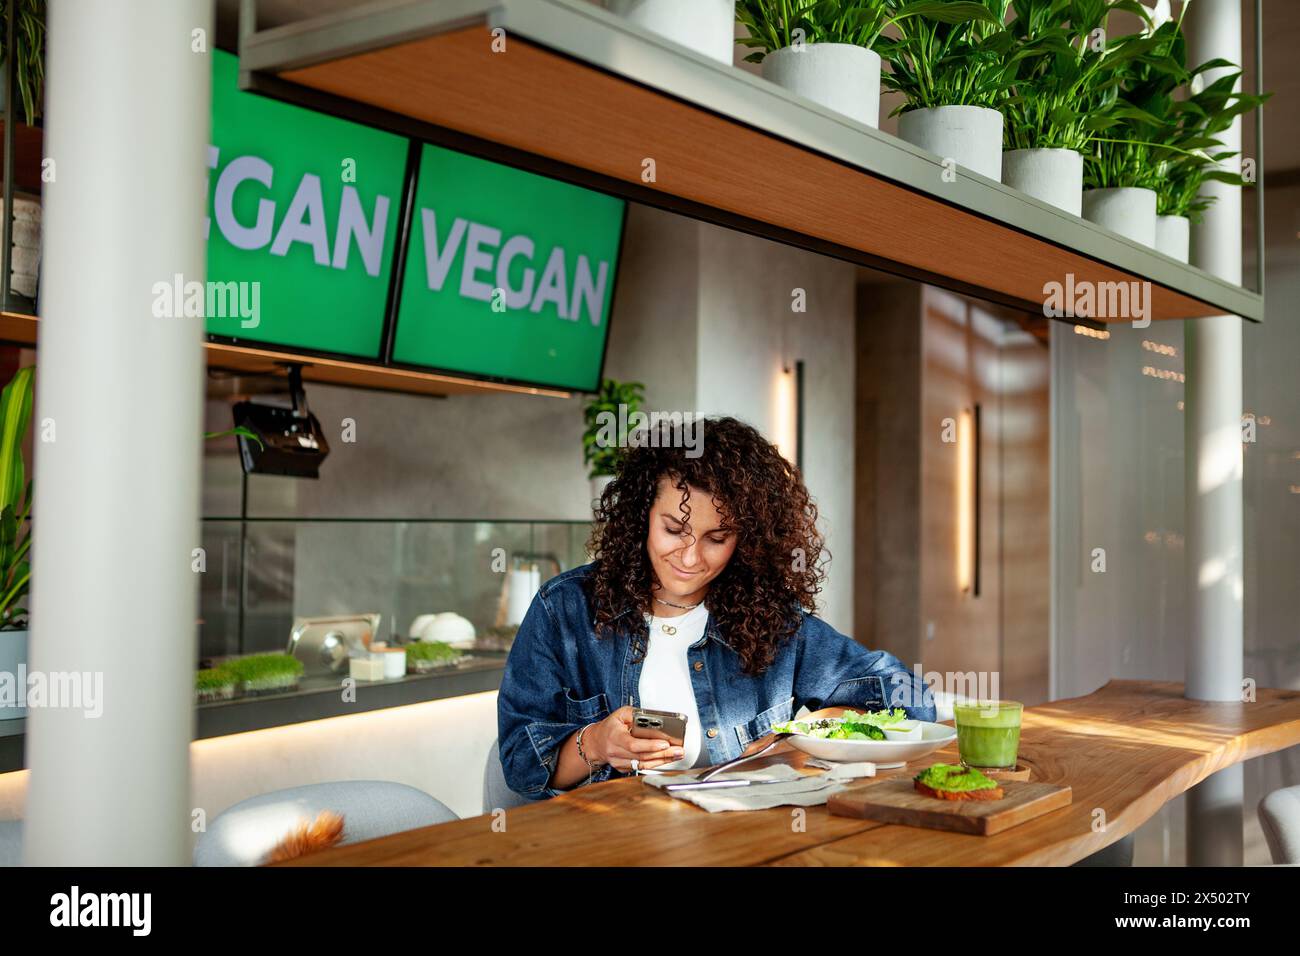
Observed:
{"x":1126,"y":750}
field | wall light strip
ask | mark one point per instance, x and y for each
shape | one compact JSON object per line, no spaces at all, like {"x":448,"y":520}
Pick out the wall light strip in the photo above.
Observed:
{"x":967,"y":504}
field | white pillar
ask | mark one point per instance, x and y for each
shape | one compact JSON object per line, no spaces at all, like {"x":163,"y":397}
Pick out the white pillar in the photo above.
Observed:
{"x":118,"y":419}
{"x":1213,"y":408}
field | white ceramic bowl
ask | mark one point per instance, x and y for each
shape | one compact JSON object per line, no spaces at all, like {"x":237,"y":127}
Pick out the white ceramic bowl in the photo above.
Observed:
{"x":883,"y":753}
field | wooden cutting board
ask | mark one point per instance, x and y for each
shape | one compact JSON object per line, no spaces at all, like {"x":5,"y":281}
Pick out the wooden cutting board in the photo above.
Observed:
{"x":895,"y":800}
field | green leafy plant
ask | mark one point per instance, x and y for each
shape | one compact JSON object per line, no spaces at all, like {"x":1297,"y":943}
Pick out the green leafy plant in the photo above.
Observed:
{"x":239,"y":430}
{"x":214,"y":683}
{"x":1134,"y":138}
{"x":1162,"y":134}
{"x":1068,"y":77}
{"x":1199,"y":155}
{"x":1129,"y":156}
{"x":776,"y":24}
{"x":431,"y":652}
{"x":15,"y":500}
{"x":601,"y":456}
{"x":950,"y":53}
{"x":265,"y":673}
{"x":213,"y":678}
{"x":30,"y":48}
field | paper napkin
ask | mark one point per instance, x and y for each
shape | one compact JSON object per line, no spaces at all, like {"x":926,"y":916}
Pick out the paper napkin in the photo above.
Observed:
{"x":776,"y":786}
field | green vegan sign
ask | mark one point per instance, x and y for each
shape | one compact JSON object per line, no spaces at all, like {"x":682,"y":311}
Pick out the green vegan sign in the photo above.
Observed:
{"x":303,"y":208}
{"x":508,"y":274}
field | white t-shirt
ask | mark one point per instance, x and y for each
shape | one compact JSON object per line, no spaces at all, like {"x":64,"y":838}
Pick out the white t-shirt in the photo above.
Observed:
{"x":666,"y":678}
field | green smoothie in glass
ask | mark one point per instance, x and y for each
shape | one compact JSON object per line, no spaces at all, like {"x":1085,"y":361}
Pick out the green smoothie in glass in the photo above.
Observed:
{"x":988,"y":733}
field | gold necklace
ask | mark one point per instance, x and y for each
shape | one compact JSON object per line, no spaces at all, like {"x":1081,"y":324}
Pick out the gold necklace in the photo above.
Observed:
{"x":680,"y":607}
{"x":669,"y":629}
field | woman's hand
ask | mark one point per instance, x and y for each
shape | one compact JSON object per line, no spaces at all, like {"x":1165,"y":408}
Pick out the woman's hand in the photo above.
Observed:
{"x":611,"y":742}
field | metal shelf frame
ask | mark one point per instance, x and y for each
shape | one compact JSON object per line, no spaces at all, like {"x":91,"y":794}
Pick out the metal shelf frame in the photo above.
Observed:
{"x":277,"y":61}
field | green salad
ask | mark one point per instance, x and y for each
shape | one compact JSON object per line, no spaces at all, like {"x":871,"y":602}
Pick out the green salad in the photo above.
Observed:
{"x":848,"y":726}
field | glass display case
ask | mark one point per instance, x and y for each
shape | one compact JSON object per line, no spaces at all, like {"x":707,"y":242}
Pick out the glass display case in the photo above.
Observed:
{"x":263,"y":574}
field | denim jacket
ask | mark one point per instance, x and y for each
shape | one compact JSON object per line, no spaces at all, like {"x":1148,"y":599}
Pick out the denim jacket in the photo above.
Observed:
{"x":560,"y":677}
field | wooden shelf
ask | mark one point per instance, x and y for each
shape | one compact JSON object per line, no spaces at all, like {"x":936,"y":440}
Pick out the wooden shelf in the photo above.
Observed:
{"x":254,"y":361}
{"x":19,"y":329}
{"x":581,"y":94}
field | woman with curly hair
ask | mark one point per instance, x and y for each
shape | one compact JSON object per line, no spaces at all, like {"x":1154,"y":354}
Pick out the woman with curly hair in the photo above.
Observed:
{"x":700,"y":601}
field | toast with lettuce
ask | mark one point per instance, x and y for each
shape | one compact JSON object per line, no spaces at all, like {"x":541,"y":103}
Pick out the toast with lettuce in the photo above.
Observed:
{"x":850,"y":725}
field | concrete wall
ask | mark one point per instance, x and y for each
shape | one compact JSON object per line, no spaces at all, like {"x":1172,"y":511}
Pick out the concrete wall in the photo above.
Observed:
{"x":705,"y":319}
{"x":747,"y":289}
{"x":887,"y":555}
{"x":654,"y":338}
{"x":468,"y":456}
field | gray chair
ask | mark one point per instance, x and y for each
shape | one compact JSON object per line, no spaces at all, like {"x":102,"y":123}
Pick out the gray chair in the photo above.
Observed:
{"x":11,"y":842}
{"x":1279,"y":818}
{"x":244,"y":834}
{"x":497,"y":795}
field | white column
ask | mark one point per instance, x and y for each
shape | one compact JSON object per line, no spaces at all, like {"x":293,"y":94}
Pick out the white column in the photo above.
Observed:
{"x":1213,"y":407}
{"x":118,"y":419}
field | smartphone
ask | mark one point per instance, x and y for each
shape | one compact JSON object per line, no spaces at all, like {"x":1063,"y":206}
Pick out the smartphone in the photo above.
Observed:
{"x":659,"y":725}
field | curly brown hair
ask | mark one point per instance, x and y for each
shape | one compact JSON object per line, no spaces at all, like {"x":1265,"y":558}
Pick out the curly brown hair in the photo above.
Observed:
{"x":777,"y":568}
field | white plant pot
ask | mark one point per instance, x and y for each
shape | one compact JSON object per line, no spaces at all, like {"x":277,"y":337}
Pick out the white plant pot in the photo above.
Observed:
{"x":1126,"y":210}
{"x":26,"y":210}
{"x":1054,"y":176}
{"x":13,"y":664}
{"x":25,"y":260}
{"x":24,"y":283}
{"x":25,"y":256}
{"x":27,"y":233}
{"x":1174,"y":237}
{"x":706,"y":26}
{"x":970,"y":135}
{"x":839,"y":76}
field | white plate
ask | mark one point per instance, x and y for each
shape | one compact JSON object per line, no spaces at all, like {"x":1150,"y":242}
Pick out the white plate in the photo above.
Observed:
{"x":883,"y":753}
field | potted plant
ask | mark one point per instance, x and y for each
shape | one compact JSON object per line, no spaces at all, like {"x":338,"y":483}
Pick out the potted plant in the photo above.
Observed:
{"x":820,"y":49}
{"x":1121,"y":179}
{"x":1125,"y":169}
{"x":25,"y":249}
{"x":30,"y":46}
{"x":213,"y":684}
{"x":1197,"y":156}
{"x":265,"y":673}
{"x":706,"y":26}
{"x":615,"y":404}
{"x":1065,"y":84}
{"x":424,"y":656}
{"x":15,"y":530}
{"x":953,"y":61}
